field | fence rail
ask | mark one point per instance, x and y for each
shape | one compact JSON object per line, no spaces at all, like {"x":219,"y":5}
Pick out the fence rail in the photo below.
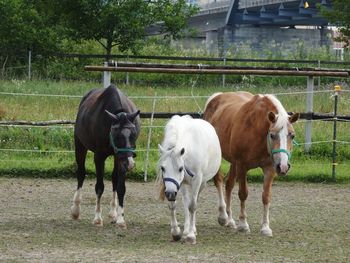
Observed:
{"x":190,"y":58}
{"x":167,"y":115}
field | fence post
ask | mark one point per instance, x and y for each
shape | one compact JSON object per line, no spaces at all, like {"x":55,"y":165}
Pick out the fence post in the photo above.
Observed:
{"x":29,"y":64}
{"x":319,"y":78}
{"x":337,"y":89}
{"x":127,"y":74}
{"x":106,"y":76}
{"x":309,"y":109}
{"x":149,"y":138}
{"x":223,"y":75}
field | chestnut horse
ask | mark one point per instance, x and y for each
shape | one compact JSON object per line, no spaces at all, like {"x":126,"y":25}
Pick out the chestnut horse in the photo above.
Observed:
{"x":254,"y":131}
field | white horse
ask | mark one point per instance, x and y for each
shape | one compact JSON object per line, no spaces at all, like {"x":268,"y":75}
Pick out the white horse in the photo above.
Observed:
{"x":190,"y":156}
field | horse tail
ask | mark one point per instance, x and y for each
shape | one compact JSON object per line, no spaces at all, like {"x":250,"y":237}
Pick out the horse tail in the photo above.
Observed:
{"x":219,"y":179}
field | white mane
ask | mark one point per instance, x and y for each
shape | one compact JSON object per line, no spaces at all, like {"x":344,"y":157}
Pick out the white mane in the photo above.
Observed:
{"x":283,"y":116}
{"x":172,"y":131}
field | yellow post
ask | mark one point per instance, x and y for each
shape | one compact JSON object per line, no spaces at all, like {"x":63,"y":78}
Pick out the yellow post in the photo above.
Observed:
{"x":337,"y":90}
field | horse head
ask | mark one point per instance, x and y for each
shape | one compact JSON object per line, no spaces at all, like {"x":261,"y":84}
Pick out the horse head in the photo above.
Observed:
{"x":171,"y":166}
{"x":123,"y":135}
{"x":280,"y":140}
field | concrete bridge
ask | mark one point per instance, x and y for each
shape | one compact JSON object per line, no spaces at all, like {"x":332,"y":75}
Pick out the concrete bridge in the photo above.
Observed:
{"x":223,"y":23}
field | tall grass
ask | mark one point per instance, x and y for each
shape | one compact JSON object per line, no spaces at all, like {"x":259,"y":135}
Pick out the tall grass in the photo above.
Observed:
{"x":315,"y":166}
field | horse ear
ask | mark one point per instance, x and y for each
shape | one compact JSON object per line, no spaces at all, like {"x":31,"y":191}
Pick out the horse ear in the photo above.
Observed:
{"x":132,"y":116}
{"x":182,"y":151}
{"x":272,"y":117}
{"x":294,"y":117}
{"x":112,"y":116}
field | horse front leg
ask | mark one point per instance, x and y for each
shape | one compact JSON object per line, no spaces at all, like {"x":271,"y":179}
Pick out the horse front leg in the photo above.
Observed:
{"x":114,"y":202}
{"x":99,"y":187}
{"x":121,"y":193}
{"x":243,"y":194}
{"x":175,"y":229}
{"x":269,"y":174}
{"x":223,"y":217}
{"x":80,"y":156}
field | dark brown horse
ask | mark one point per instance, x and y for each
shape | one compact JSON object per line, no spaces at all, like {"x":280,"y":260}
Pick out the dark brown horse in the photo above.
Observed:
{"x":254,"y":131}
{"x":107,"y":124}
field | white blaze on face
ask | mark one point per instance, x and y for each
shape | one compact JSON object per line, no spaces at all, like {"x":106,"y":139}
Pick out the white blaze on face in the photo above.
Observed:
{"x":283,"y":145}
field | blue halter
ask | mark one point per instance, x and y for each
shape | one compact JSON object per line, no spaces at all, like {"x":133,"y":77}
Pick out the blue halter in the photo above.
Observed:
{"x":168,"y":179}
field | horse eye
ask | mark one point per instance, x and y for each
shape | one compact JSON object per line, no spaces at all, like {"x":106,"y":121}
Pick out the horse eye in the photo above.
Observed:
{"x":181,"y":169}
{"x":272,"y":136}
{"x":162,"y":168}
{"x":291,"y":135}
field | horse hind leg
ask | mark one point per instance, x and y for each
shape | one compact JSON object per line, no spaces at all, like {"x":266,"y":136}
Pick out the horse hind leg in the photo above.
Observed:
{"x":80,"y":156}
{"x":223,"y":217}
{"x":230,"y":182}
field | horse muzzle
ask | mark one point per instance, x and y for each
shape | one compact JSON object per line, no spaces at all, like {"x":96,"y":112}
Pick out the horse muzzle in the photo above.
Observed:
{"x":131,"y":163}
{"x":282,"y":170}
{"x":170,"y":195}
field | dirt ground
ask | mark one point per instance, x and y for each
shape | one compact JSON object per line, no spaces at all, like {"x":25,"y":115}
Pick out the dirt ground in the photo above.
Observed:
{"x":310,"y":223}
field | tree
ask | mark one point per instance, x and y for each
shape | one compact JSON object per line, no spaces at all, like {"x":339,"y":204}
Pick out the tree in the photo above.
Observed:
{"x":339,"y":16}
{"x":22,"y":28}
{"x":121,"y":22}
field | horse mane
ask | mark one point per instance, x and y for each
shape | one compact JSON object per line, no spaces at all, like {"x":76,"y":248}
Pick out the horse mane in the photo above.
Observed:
{"x":283,"y":116}
{"x":171,"y":133}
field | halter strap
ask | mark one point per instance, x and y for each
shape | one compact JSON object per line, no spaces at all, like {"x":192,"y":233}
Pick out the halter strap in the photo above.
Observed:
{"x":281,"y":151}
{"x":119,"y":150}
{"x":189,"y":172}
{"x":168,"y":179}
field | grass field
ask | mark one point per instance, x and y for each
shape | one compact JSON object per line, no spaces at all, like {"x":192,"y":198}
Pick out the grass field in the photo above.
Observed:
{"x":315,"y":166}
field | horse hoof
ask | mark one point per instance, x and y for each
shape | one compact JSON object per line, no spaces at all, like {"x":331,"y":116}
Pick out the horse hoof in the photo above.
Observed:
{"x":122,"y":225}
{"x":176,"y":237}
{"x":243,"y":230}
{"x":231,"y":224}
{"x":113,"y":219}
{"x":75,"y":212}
{"x":98,"y":222}
{"x":113,"y":215}
{"x":266,"y":232}
{"x":190,"y":240}
{"x":222,"y":221}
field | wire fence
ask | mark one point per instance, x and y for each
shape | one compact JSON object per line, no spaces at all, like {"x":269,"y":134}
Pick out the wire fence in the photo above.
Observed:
{"x":68,"y":124}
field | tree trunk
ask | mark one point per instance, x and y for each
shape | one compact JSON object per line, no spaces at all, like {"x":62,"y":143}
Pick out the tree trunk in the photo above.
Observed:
{"x":109,"y":49}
